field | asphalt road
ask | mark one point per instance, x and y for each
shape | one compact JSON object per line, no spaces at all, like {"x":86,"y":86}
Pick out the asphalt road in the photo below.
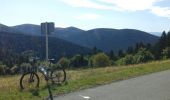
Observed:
{"x":155,"y":86}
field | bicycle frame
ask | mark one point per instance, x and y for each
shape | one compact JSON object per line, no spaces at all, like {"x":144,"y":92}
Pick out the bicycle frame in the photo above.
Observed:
{"x":45,"y":70}
{"x":46,"y":75}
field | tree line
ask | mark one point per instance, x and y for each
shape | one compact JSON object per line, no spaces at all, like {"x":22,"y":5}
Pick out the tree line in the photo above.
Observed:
{"x":12,"y":63}
{"x":140,"y":53}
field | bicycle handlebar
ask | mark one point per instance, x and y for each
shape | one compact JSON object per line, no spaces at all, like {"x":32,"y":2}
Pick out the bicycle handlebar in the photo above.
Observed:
{"x":32,"y":59}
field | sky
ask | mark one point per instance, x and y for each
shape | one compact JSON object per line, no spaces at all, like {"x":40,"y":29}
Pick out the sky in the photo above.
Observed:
{"x":145,"y":15}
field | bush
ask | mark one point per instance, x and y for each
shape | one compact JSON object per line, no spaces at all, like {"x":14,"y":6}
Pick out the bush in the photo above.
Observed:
{"x":78,"y":61}
{"x":100,"y":60}
{"x":128,"y":59}
{"x":166,"y":53}
{"x":90,"y":62}
{"x":7,"y":70}
{"x":64,"y":62}
{"x":2,"y":69}
{"x":15,"y":69}
{"x":143,"y":56}
{"x":25,"y":67}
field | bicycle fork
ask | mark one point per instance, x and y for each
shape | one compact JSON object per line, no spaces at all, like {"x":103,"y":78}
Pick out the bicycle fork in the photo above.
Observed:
{"x":49,"y":90}
{"x":48,"y":86}
{"x":31,"y":78}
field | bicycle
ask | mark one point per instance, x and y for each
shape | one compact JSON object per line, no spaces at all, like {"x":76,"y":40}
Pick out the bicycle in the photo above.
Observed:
{"x":31,"y":79}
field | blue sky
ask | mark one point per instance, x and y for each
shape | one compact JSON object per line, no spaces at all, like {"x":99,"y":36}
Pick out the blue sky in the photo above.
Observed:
{"x":146,"y":15}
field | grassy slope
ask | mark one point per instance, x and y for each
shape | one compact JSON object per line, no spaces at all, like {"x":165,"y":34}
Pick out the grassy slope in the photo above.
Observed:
{"x":79,"y":79}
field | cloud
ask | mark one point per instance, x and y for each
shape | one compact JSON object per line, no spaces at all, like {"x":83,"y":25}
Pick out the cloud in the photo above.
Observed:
{"x":86,"y":4}
{"x":132,"y":5}
{"x":89,"y":16}
{"x":121,"y":5}
{"x":161,"y":11}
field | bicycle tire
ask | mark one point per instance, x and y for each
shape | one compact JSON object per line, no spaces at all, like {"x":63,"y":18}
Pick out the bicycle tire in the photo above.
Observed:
{"x":35,"y":76}
{"x":55,"y":78}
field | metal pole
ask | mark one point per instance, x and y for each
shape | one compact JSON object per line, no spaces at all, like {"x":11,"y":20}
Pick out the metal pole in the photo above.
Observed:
{"x":46,"y":35}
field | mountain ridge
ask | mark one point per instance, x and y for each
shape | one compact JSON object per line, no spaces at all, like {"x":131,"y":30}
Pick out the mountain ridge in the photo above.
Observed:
{"x":105,"y":39}
{"x":19,"y":43}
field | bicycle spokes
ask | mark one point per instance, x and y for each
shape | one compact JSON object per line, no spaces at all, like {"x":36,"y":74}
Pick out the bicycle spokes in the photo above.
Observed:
{"x":58,"y":76}
{"x":29,"y":81}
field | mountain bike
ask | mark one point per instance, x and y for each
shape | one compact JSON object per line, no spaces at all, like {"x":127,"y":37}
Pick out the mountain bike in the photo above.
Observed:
{"x":30,"y":79}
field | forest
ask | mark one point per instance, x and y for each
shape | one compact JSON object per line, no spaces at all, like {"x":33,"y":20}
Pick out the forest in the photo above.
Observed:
{"x":13,"y":62}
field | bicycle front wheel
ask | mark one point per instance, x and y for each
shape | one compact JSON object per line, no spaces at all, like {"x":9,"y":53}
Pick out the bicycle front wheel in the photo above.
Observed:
{"x":29,"y":81}
{"x":58,"y":75}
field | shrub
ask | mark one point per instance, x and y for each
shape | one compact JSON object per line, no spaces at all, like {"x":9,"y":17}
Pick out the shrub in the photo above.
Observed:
{"x":166,"y":53}
{"x":7,"y":70}
{"x":78,"y":61}
{"x":25,"y":67}
{"x":64,"y":62}
{"x":143,"y":55}
{"x":90,"y":62}
{"x":2,"y":69}
{"x":128,"y":59}
{"x":100,"y":60}
{"x":15,"y":70}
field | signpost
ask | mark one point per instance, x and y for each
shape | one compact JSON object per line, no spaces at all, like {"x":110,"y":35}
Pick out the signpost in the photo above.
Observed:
{"x":47,"y":28}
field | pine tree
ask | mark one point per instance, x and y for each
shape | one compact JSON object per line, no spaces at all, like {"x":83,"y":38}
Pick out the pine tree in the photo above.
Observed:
{"x":137,"y":47}
{"x":120,"y":53}
{"x":130,"y":50}
{"x":141,"y":45}
{"x":94,"y":50}
{"x":112,"y":55}
{"x":158,"y":47}
{"x":163,"y":43}
{"x":148,"y":46}
{"x":168,"y":39}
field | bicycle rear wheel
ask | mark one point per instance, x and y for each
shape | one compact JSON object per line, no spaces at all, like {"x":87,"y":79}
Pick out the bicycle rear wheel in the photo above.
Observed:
{"x":29,"y":81}
{"x":58,"y":75}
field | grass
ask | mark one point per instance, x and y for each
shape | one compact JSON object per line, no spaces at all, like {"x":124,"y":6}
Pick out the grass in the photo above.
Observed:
{"x":79,"y":79}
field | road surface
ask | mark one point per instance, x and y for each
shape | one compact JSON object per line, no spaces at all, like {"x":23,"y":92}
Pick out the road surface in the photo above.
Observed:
{"x":155,"y":86}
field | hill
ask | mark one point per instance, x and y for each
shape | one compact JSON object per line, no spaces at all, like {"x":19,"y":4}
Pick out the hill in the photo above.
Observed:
{"x":110,"y":39}
{"x":28,"y":29}
{"x":18,"y":42}
{"x":102,"y":38}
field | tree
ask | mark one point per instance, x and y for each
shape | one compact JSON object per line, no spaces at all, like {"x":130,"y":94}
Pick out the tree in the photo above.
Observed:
{"x":141,"y":45}
{"x":136,"y":47}
{"x":130,"y":50}
{"x":78,"y":61}
{"x":120,"y":53}
{"x":112,"y":56}
{"x":159,"y":46}
{"x":100,"y":60}
{"x":94,"y":51}
{"x":156,"y":51}
{"x":168,"y":39}
{"x":163,"y":43}
{"x":148,"y":46}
